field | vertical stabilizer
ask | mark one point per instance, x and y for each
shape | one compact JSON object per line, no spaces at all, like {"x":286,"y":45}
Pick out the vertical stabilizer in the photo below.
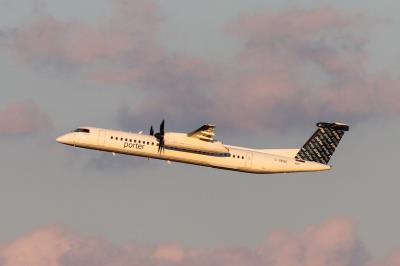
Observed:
{"x":323,"y":143}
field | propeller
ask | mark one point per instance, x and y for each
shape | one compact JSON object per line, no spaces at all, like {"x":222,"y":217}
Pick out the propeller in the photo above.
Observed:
{"x":160,"y":137}
{"x":151,"y":131}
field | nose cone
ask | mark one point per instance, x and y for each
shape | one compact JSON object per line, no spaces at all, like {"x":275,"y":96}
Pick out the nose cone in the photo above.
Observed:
{"x":66,"y":139}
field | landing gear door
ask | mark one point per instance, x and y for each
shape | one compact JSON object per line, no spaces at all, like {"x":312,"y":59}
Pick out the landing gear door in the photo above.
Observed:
{"x":101,"y":138}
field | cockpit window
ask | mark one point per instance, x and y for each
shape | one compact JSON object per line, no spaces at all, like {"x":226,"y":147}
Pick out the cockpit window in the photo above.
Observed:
{"x":84,"y":130}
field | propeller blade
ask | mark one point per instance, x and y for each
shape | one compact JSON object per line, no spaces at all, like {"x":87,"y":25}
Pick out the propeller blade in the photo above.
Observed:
{"x":162,"y":127}
{"x":160,"y":137}
{"x":161,"y":145}
{"x":151,"y":131}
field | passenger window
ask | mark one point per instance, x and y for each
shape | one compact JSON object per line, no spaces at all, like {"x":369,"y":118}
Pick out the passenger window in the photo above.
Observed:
{"x":233,"y":156}
{"x":148,"y":143}
{"x":152,"y":143}
{"x":242,"y":157}
{"x":130,"y":140}
{"x":134,"y":140}
{"x":139,"y":141}
{"x":111,"y":137}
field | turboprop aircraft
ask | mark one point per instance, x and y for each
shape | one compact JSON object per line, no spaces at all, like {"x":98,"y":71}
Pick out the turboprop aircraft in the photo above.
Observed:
{"x":200,"y":148}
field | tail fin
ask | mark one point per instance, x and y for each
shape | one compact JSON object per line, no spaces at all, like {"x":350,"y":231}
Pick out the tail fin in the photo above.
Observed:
{"x":322,"y":144}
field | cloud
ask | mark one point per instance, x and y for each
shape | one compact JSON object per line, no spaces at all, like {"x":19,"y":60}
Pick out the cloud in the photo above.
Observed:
{"x":22,"y":118}
{"x":42,"y":247}
{"x":123,"y":50}
{"x":391,"y":260}
{"x":52,"y":41}
{"x":303,"y":64}
{"x":172,"y":253}
{"x":332,"y":243}
{"x":295,"y":65}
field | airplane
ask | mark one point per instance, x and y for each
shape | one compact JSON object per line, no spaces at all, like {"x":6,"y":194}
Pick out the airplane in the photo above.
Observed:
{"x":199,"y":147}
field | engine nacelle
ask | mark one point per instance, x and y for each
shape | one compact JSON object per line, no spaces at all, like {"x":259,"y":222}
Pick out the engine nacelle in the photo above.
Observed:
{"x":183,"y":141}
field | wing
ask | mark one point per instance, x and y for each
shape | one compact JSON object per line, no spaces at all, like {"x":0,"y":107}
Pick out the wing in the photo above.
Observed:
{"x":205,"y":133}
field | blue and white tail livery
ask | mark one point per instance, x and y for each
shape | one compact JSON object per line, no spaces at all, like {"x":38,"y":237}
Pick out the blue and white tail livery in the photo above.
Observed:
{"x":323,"y":143}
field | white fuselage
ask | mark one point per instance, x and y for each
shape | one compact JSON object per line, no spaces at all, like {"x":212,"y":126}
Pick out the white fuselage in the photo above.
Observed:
{"x":236,"y":159}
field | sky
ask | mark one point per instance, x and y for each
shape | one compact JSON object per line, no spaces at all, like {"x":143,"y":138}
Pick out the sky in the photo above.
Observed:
{"x":263,"y":71}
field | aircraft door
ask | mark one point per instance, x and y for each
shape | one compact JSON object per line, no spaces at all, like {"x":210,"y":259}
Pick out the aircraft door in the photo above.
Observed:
{"x":101,"y":138}
{"x":248,"y":159}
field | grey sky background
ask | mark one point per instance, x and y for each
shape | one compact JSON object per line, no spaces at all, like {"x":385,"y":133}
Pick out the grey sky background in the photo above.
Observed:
{"x":131,"y":199}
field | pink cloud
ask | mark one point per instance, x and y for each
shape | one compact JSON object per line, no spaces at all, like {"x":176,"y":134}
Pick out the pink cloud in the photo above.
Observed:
{"x":41,"y":40}
{"x":295,"y":65}
{"x":42,"y":247}
{"x":22,"y":118}
{"x":172,"y":253}
{"x":392,"y":259}
{"x":332,"y":243}
{"x":130,"y":33}
{"x":302,"y":64}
